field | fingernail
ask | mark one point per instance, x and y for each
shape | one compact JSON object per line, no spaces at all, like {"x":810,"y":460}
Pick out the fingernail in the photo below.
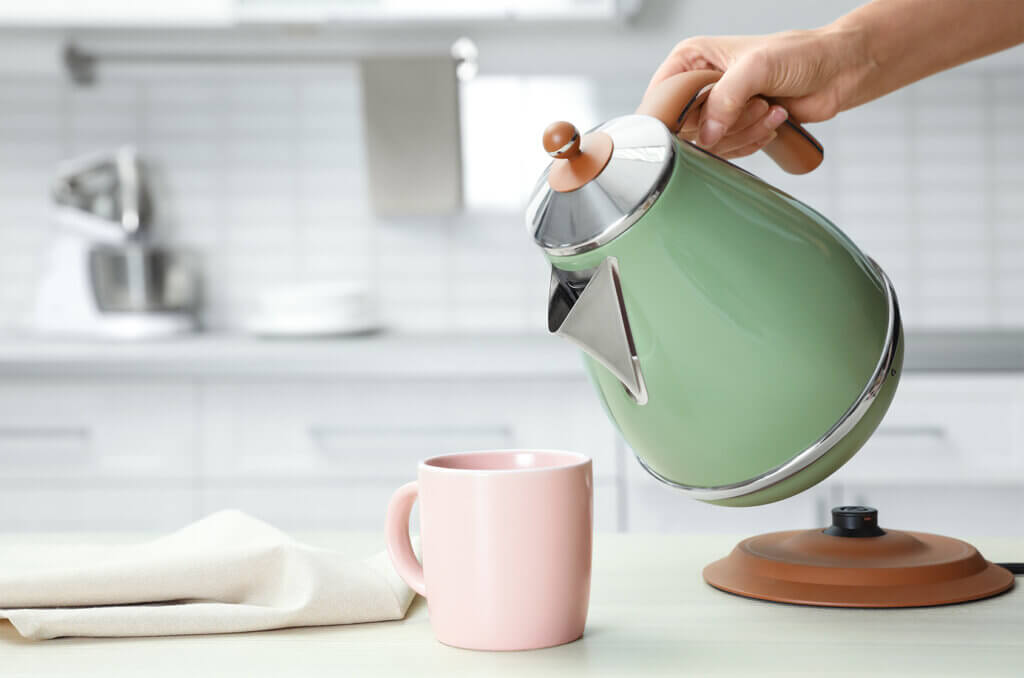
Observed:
{"x":711,"y":132}
{"x":775,"y":117}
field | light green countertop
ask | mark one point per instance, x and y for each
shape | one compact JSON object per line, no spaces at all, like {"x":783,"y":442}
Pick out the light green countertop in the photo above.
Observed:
{"x":650,"y":614}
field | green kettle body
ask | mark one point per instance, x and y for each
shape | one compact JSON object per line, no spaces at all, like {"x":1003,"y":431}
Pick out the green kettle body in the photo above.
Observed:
{"x":766,"y":346}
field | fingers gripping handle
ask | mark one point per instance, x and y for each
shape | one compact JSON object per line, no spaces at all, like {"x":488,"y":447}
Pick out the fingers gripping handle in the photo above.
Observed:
{"x":399,"y":545}
{"x":794,"y":149}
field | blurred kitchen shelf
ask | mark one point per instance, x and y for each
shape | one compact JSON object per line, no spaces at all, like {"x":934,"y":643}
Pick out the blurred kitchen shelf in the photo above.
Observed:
{"x":414,"y":11}
{"x":208,"y":14}
{"x":118,"y":14}
{"x":214,"y":355}
{"x":407,"y":355}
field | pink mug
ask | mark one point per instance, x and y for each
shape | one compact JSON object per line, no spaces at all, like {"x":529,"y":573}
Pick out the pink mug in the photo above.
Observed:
{"x":506,"y":544}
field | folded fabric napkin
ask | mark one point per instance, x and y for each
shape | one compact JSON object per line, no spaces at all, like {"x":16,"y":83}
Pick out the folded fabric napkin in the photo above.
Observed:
{"x":227,"y":572}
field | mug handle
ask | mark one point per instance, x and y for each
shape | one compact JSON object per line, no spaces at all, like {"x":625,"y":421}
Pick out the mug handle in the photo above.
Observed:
{"x":399,"y":545}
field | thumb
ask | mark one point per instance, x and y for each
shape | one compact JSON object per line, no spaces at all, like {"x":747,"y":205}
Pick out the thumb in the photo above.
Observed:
{"x":741,"y":81}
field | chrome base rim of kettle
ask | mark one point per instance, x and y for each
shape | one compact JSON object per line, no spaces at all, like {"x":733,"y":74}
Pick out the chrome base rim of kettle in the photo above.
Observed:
{"x":832,"y":437}
{"x":643,"y":157}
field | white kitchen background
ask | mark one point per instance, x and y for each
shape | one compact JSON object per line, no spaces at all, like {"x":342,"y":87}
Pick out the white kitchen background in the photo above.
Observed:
{"x":261,"y":169}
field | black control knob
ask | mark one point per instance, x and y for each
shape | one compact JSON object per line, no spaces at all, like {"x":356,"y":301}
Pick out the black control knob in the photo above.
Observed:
{"x":854,"y":521}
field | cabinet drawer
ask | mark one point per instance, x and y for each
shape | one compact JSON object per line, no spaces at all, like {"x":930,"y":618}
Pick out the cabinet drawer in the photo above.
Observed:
{"x":94,"y":429}
{"x":96,"y":508}
{"x":358,"y":506}
{"x":943,"y":428}
{"x":364,"y":429}
{"x":653,"y":506}
{"x":957,"y":509}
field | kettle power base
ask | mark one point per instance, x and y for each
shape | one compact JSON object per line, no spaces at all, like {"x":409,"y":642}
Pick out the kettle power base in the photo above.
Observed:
{"x":856,"y":564}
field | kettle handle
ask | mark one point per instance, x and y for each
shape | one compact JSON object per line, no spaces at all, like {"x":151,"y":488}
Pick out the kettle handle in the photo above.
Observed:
{"x":794,"y":149}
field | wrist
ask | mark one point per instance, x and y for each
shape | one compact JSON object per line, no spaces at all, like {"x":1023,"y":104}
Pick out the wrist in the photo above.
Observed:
{"x":847,"y":44}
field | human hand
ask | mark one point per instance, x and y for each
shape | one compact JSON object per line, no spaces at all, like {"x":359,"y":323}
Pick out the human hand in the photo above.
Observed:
{"x":806,"y":74}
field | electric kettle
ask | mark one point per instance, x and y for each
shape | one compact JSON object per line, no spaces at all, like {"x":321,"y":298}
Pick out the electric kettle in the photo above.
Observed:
{"x":742,"y":344}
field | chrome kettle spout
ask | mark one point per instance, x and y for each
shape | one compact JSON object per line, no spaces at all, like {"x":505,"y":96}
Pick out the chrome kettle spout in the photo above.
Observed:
{"x":590,"y":313}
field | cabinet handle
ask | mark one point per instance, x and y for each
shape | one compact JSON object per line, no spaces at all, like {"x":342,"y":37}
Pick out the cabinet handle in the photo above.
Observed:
{"x":914,"y":431}
{"x":935,"y":438}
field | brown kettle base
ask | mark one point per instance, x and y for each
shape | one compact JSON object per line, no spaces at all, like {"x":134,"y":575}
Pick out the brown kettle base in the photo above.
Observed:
{"x":855,"y":563}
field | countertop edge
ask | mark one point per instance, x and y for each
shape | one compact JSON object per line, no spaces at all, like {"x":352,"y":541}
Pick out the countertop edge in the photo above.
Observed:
{"x":387,"y":355}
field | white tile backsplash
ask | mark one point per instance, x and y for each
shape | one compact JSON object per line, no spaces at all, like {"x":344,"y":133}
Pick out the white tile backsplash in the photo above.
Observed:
{"x":261,"y":169}
{"x":927,"y":183}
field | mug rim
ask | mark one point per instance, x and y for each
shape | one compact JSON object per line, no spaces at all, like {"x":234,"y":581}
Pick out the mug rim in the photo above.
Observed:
{"x":580,"y":460}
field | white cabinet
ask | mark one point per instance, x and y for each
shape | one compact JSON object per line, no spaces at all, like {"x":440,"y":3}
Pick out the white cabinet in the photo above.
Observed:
{"x":951,"y":507}
{"x":299,"y":452}
{"x":370,"y":428}
{"x":134,"y":506}
{"x":96,"y":454}
{"x":947,"y":428}
{"x":106,"y":450}
{"x":653,"y":506}
{"x":331,"y":452}
{"x":948,"y":457}
{"x":348,"y":506}
{"x":347,"y":431}
{"x":87,"y":430}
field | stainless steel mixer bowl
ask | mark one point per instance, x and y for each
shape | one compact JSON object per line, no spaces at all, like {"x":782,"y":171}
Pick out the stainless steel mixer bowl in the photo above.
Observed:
{"x":137,"y":278}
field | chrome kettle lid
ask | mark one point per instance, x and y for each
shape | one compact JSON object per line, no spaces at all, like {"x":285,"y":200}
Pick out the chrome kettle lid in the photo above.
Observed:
{"x":584,"y":214}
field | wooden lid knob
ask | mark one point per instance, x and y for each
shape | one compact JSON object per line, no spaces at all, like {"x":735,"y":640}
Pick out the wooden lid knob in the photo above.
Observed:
{"x":562,"y":140}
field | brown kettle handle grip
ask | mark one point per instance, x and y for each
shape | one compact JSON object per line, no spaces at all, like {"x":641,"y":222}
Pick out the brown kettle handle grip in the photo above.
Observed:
{"x":794,"y":149}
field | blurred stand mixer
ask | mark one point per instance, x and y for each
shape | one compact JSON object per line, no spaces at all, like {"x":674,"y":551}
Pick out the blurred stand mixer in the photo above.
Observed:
{"x":105,"y":275}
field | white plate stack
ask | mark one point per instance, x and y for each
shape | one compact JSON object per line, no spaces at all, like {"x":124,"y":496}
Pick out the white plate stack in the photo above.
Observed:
{"x":313,"y":309}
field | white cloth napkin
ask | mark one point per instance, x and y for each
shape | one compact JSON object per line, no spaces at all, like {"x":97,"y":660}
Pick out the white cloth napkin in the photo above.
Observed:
{"x":227,"y":572}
